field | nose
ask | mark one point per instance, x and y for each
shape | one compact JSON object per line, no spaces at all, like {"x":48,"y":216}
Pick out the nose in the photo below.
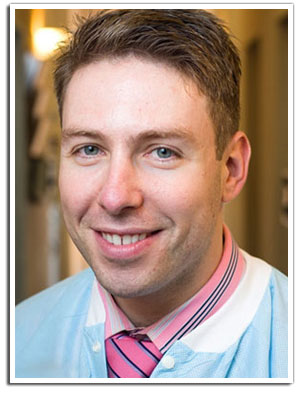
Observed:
{"x":121,"y":188}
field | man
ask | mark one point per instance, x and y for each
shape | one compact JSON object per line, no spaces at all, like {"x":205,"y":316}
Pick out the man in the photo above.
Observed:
{"x":150,"y":153}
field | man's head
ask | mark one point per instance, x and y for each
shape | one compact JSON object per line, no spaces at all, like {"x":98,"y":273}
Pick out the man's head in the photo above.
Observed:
{"x":194,"y":42}
{"x":141,"y":187}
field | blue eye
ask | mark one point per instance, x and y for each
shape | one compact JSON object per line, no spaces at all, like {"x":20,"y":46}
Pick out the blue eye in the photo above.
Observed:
{"x":90,"y":150}
{"x":164,"y":153}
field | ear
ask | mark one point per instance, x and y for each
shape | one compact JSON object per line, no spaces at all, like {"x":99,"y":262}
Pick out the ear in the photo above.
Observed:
{"x":235,"y":165}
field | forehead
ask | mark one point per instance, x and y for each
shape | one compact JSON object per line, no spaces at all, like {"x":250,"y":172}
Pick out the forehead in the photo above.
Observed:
{"x":133,"y":95}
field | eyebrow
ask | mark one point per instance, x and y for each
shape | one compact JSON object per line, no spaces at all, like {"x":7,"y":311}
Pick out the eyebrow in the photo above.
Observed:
{"x":163,"y":134}
{"x":146,"y":135}
{"x":74,"y":133}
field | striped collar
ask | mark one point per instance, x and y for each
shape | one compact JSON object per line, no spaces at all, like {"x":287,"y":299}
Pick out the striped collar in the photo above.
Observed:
{"x":193,"y":312}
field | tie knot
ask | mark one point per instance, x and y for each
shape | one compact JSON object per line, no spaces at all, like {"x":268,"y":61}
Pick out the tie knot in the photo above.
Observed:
{"x":130,"y":354}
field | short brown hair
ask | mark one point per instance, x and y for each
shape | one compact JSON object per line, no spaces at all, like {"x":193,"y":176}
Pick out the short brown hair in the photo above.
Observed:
{"x":195,"y":42}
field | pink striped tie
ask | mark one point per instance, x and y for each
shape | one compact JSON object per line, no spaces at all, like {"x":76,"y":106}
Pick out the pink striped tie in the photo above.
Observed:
{"x":131,"y":356}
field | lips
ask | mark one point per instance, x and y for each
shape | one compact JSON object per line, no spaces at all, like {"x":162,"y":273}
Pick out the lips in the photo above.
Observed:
{"x":125,"y":246}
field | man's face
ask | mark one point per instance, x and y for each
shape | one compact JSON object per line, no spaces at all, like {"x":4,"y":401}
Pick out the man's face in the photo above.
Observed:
{"x":140,"y":185}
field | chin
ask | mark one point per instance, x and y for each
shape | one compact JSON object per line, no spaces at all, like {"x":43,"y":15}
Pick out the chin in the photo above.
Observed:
{"x":128,"y":289}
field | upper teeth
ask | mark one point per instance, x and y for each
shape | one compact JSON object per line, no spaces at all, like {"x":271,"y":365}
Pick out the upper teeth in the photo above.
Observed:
{"x":118,"y":240}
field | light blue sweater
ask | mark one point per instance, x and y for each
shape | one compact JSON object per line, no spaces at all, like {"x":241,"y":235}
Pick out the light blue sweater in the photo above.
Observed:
{"x":60,"y":332}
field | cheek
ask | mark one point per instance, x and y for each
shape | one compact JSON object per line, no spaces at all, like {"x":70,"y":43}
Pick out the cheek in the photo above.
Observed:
{"x":192,"y":197}
{"x":75,"y":193}
{"x":178,"y":199}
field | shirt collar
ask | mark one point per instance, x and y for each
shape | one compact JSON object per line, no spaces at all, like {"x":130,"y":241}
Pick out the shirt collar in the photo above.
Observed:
{"x":194,"y":311}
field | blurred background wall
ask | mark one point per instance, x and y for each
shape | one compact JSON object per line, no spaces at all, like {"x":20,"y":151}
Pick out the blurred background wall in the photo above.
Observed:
{"x":258,"y":217}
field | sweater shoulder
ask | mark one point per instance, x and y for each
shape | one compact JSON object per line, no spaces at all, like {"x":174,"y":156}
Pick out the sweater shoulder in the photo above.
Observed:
{"x":64,"y":293}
